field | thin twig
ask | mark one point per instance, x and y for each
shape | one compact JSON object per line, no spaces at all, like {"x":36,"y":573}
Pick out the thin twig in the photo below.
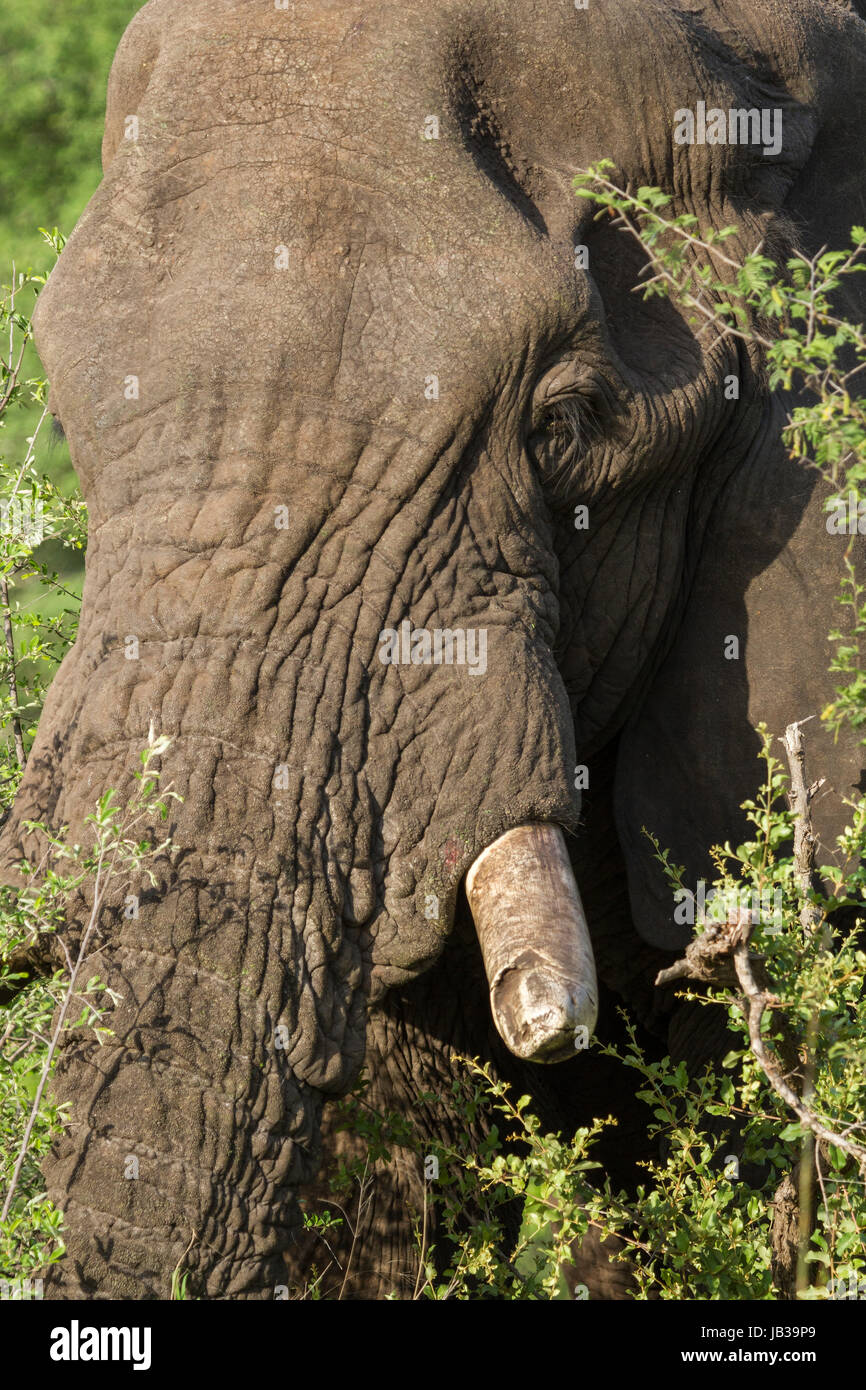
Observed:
{"x":800,"y":797}
{"x":58,"y":1029}
{"x":176,"y":1275}
{"x":9,"y":643}
{"x":362,"y":1183}
{"x":418,"y":1284}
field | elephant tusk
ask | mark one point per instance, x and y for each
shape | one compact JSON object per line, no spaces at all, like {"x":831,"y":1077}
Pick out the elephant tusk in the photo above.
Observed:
{"x":535,"y":943}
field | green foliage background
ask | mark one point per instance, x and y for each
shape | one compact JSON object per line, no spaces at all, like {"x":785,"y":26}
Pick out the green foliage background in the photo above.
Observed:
{"x":56,"y":57}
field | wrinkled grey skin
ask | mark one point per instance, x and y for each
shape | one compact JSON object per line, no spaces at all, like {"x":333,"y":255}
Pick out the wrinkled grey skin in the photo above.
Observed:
{"x":303,"y":903}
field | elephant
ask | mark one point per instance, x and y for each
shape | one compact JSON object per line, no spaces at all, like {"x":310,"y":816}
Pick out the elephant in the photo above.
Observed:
{"x":337,"y":384}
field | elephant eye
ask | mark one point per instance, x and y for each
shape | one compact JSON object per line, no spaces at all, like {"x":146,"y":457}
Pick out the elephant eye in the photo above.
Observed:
{"x":564,"y":432}
{"x":569,"y":420}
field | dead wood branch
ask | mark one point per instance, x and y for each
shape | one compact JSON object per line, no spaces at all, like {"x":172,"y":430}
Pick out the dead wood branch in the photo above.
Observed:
{"x":800,"y":798}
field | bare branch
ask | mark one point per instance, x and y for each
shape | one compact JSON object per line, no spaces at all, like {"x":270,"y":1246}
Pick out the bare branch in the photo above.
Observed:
{"x":753,"y":1005}
{"x":800,"y":797}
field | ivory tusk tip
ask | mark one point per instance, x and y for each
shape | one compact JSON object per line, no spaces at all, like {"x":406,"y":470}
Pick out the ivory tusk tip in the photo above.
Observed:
{"x":535,"y":943}
{"x":539,"y":1017}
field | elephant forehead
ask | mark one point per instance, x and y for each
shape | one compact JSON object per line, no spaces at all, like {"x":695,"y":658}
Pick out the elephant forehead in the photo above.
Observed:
{"x":278,"y":180}
{"x":531,"y":88}
{"x":270,"y":198}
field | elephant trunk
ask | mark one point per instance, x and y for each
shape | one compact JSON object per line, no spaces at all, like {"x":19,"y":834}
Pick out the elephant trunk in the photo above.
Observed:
{"x":535,"y":943}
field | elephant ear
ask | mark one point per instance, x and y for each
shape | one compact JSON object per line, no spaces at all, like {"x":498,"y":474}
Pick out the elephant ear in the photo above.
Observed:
{"x":753,"y":643}
{"x":753,"y":647}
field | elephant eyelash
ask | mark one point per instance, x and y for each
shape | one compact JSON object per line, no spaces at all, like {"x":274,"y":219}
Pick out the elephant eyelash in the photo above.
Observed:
{"x":568,"y":418}
{"x":571,"y":426}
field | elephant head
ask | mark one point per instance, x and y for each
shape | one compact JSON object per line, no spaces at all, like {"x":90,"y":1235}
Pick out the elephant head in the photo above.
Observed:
{"x":337,"y":387}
